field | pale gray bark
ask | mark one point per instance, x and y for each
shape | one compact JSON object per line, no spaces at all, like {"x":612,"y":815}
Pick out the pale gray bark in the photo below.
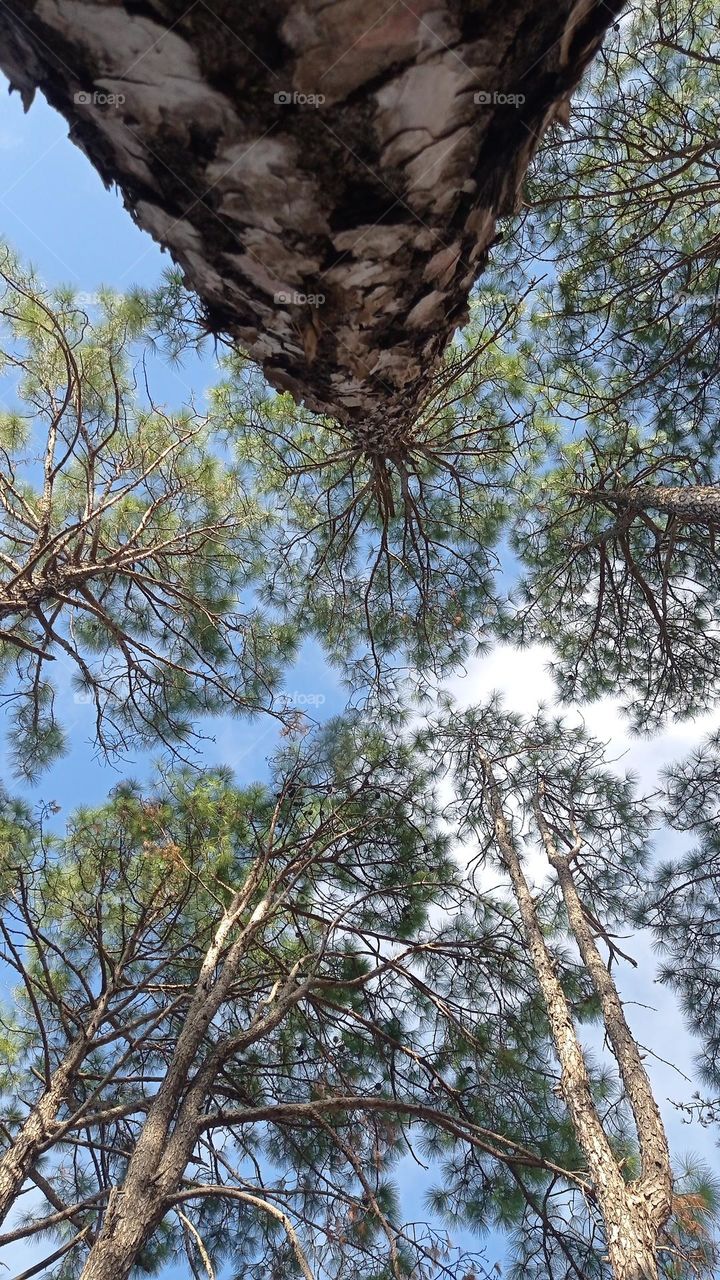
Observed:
{"x":633,"y":1213}
{"x":652,"y":1191}
{"x":18,"y":1160}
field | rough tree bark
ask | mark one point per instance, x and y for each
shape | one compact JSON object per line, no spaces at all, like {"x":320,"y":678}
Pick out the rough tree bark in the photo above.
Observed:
{"x":18,"y":1161}
{"x":328,"y":175}
{"x":692,"y":503}
{"x":634,"y":1213}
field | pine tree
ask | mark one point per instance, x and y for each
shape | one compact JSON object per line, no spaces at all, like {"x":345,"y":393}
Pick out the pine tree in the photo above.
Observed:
{"x":391,"y":558}
{"x":232,"y":1021}
{"x":543,"y":784}
{"x":681,"y":904}
{"x":617,"y":533}
{"x":339,"y":252}
{"x":125,"y":540}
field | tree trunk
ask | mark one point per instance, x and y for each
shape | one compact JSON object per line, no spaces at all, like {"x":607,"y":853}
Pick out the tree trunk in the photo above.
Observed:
{"x":693,"y":503}
{"x":18,"y":1161}
{"x":653,"y":1190}
{"x":133,"y":1210}
{"x":634,"y":1213}
{"x":328,"y":175}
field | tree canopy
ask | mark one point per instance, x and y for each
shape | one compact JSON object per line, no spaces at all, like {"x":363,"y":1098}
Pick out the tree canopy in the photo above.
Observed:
{"x":268,"y":996}
{"x":617,"y":534}
{"x":242,"y":1016}
{"x":126,"y":540}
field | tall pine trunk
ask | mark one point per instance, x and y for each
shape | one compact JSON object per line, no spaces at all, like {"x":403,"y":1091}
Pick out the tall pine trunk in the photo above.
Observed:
{"x":633,"y":1213}
{"x":165,"y":1145}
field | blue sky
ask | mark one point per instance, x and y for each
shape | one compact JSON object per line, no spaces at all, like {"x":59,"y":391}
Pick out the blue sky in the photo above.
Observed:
{"x":55,"y":211}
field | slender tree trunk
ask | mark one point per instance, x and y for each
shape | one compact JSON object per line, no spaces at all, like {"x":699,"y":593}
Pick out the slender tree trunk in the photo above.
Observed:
{"x":654,"y":1187}
{"x":20,"y":1157}
{"x":632,"y":1213}
{"x":17,"y":1162}
{"x":694,"y":503}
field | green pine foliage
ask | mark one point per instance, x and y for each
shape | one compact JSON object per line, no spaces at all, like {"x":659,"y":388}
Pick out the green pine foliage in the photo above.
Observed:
{"x":163,"y":565}
{"x":129,"y":549}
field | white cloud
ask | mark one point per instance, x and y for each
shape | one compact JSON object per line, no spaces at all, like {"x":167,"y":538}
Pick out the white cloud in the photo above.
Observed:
{"x":522,"y":677}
